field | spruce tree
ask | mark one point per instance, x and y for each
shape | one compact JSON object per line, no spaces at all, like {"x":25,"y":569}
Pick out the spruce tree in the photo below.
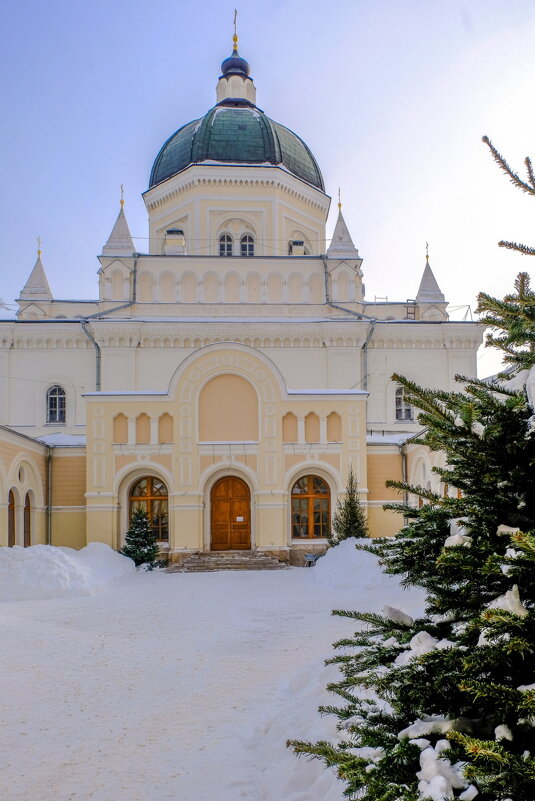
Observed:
{"x":443,"y":707}
{"x":141,"y":544}
{"x":349,"y":519}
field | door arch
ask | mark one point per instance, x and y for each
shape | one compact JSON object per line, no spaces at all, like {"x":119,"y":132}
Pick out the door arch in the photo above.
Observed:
{"x":11,"y":531}
{"x":27,"y":521}
{"x":230,"y":515}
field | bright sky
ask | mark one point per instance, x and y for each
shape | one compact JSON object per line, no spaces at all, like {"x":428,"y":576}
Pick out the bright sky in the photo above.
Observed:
{"x":392,"y":96}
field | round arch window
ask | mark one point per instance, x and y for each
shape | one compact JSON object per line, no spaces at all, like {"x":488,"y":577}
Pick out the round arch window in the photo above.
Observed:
{"x":225,"y":245}
{"x":247,"y":245}
{"x":311,"y":508}
{"x":150,"y":494}
{"x":55,"y":405}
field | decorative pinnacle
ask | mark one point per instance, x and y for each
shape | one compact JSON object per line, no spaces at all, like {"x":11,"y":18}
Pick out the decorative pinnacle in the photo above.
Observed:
{"x":427,"y":252}
{"x":339,"y":201}
{"x":122,"y":195}
{"x":235,"y":37}
{"x":39,"y":251}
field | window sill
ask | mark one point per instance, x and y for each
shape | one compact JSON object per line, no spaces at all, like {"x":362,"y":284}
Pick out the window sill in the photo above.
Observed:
{"x":308,"y":540}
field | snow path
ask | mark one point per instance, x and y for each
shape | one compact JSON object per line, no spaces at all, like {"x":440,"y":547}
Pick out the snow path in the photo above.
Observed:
{"x":172,"y":686}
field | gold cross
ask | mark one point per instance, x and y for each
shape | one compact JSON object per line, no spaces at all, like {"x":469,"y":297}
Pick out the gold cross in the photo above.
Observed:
{"x":235,"y":37}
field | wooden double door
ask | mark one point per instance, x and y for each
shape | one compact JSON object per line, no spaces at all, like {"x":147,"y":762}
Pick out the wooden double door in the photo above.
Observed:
{"x":230,"y":502}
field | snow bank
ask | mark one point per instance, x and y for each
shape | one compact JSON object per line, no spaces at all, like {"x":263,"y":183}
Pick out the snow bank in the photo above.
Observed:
{"x":293,"y":715}
{"x":344,"y":567}
{"x":43,"y":571}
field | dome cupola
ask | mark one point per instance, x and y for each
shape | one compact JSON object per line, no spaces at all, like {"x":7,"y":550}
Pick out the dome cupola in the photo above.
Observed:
{"x":235,"y":131}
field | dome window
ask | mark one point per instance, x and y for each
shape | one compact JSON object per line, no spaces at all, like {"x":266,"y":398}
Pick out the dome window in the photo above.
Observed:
{"x":175,"y":242}
{"x":296,"y":247}
{"x":247,"y":245}
{"x":225,"y":245}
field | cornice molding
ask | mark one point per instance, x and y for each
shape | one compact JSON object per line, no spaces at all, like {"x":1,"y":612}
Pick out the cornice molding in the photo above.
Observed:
{"x":201,"y":177}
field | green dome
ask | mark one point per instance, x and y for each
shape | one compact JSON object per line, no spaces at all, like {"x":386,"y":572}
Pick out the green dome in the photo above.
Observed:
{"x":235,"y":133}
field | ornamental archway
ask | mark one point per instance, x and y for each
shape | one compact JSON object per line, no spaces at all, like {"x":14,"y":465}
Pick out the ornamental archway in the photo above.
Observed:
{"x":230,"y":515}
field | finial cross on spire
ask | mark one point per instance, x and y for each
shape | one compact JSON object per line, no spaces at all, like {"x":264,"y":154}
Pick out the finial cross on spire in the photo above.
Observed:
{"x":122,"y":195}
{"x":339,"y":200}
{"x":39,"y":251}
{"x":235,"y":37}
{"x":427,"y":251}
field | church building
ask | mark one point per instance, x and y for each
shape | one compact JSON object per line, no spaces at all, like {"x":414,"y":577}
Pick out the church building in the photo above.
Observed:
{"x":226,"y":380}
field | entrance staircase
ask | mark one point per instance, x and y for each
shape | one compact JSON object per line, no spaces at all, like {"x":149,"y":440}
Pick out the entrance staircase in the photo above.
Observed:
{"x":226,"y":560}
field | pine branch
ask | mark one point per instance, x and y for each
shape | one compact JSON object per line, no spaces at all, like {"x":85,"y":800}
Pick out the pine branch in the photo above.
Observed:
{"x":529,"y":168}
{"x":524,"y":249}
{"x":503,"y":165}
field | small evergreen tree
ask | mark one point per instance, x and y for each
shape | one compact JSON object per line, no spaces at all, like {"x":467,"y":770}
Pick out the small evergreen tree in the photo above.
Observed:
{"x":443,"y":707}
{"x":141,"y":544}
{"x":349,"y":519}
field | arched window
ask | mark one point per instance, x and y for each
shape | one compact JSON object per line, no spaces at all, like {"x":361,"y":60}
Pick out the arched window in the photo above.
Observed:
{"x":150,"y":494}
{"x":311,"y":508}
{"x":404,"y":410}
{"x":11,"y":534}
{"x":55,"y":405}
{"x":247,"y":245}
{"x":225,"y":245}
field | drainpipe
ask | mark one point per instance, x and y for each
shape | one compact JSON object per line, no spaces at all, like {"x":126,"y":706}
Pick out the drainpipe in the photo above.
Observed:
{"x":365,"y":353}
{"x":48,"y":495}
{"x":83,"y":323}
{"x":134,"y":281}
{"x":97,"y":315}
{"x":360,"y":316}
{"x":403,"y":452}
{"x":404,"y":473}
{"x":335,"y":305}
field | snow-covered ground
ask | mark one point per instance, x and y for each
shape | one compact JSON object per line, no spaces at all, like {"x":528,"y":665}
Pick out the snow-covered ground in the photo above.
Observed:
{"x":119,"y":685}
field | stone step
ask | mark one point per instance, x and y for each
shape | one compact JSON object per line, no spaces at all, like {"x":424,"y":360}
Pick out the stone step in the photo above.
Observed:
{"x":226,"y":560}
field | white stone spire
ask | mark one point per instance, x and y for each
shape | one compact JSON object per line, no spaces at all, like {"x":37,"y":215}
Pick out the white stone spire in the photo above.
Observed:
{"x":36,"y":287}
{"x":120,"y":240}
{"x":341,"y":246}
{"x":429,"y":291}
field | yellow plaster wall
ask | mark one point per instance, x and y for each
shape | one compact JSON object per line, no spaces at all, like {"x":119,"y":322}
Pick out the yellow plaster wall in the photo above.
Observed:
{"x":334,"y":427}
{"x":165,"y":428}
{"x":332,"y":459}
{"x":289,"y":427}
{"x":120,"y":428}
{"x":228,"y":410}
{"x":381,"y":468}
{"x":383,"y":523}
{"x":68,"y":528}
{"x":68,"y":479}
